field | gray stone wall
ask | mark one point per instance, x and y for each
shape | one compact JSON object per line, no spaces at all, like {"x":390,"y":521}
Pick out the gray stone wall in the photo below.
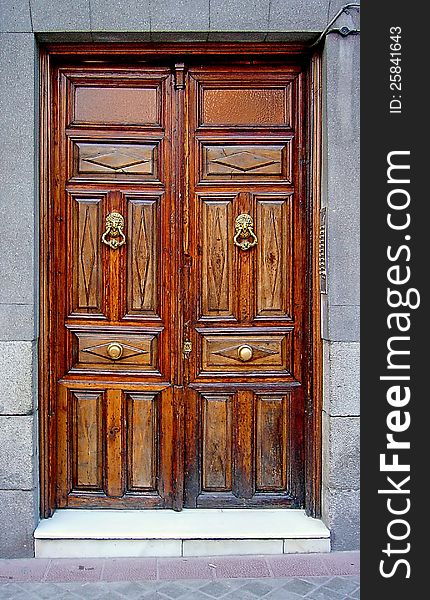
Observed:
{"x":341,"y":316}
{"x":22,"y":23}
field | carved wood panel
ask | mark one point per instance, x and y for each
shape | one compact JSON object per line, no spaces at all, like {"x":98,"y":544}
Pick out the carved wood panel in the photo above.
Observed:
{"x":217,"y":251}
{"x":245,"y":352}
{"x":116,"y":160}
{"x":271,"y":440}
{"x":274,"y":257}
{"x":143,"y":257}
{"x":86,"y":440}
{"x":87,"y":290}
{"x":142,"y":442}
{"x":115,"y":350}
{"x":217,"y":439}
{"x":246,"y":162}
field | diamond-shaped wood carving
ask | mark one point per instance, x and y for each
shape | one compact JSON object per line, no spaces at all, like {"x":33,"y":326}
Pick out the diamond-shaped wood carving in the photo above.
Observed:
{"x":118,"y":158}
{"x":102,"y":350}
{"x":245,"y":161}
{"x":257,"y":352}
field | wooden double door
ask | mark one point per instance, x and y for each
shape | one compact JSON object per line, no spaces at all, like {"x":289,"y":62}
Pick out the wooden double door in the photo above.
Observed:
{"x":178,"y":305}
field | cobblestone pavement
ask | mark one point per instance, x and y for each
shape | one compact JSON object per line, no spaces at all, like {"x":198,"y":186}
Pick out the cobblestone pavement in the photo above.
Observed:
{"x":331,"y":576}
{"x":292,"y":588}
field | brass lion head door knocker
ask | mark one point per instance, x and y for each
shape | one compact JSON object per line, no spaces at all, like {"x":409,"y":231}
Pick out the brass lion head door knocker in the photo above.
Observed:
{"x":114,"y":229}
{"x":244,"y":236}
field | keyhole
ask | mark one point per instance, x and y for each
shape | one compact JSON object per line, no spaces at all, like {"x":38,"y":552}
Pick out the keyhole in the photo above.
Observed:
{"x":113,"y":431}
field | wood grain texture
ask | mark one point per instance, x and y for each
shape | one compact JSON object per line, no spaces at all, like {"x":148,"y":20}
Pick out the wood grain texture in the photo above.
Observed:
{"x":213,"y":429}
{"x":87,"y":269}
{"x":142,"y":442}
{"x":116,"y":105}
{"x":217,"y":443}
{"x":116,"y":159}
{"x":221,"y":352}
{"x":246,"y":130}
{"x":217,"y":268}
{"x":245,"y":105}
{"x":274,"y":257}
{"x":139,"y":352}
{"x":271,"y":443}
{"x":142,"y":258}
{"x":114,"y":439}
{"x":243,"y":161}
{"x":86,"y":441}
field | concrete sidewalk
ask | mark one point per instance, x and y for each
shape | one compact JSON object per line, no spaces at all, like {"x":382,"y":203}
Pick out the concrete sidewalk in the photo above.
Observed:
{"x":331,"y":576}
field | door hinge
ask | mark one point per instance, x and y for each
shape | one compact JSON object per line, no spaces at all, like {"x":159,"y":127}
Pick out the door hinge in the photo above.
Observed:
{"x":179,"y":76}
{"x":187,"y":347}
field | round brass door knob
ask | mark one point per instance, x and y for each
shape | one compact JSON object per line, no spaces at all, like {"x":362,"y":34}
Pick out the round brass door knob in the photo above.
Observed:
{"x":115,"y":350}
{"x":244,"y":352}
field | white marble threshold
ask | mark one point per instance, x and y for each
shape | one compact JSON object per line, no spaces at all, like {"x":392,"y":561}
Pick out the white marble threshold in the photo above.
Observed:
{"x":74,"y":533}
{"x":233,"y":523}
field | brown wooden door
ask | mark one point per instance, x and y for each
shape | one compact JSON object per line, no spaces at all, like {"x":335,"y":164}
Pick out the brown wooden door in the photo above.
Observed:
{"x":146,"y":253}
{"x":246,"y":288}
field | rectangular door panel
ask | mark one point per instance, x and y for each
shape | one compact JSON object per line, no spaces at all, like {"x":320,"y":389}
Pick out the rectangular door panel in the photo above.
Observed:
{"x":142,"y":442}
{"x":143,"y":281}
{"x":271,"y":442}
{"x":120,"y":350}
{"x":274,"y":257}
{"x":261,"y":161}
{"x":237,"y":104}
{"x":217,"y":282}
{"x":217,"y":442}
{"x":87,"y":275}
{"x":115,"y":161}
{"x":86,"y":421}
{"x":247,"y":352}
{"x":97,"y":104}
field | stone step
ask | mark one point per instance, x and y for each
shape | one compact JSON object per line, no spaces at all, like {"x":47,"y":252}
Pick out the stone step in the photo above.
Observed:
{"x":83,"y":533}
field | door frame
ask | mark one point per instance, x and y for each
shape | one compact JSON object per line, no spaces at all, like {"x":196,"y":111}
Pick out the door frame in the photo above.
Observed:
{"x":312,"y":164}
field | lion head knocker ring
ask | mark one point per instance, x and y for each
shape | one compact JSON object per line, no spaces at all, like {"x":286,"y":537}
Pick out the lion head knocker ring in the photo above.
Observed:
{"x":244,"y":236}
{"x":114,"y":229}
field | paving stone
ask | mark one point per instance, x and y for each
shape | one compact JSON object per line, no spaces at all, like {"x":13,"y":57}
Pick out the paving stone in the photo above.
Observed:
{"x":241,"y":567}
{"x":194,"y":595}
{"x":342,"y":563}
{"x":185,"y":569}
{"x":130,"y":569}
{"x":317,"y":580}
{"x":237,"y":589}
{"x":324,"y":593}
{"x":282,"y":595}
{"x":299,"y":586}
{"x":74,"y":570}
{"x":173,"y":590}
{"x":154,"y":596}
{"x":341,"y":584}
{"x":240,"y":594}
{"x":216,"y":589}
{"x":9,"y":590}
{"x":46,"y":591}
{"x":129,"y":590}
{"x":258,"y":588}
{"x":296,"y":565}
